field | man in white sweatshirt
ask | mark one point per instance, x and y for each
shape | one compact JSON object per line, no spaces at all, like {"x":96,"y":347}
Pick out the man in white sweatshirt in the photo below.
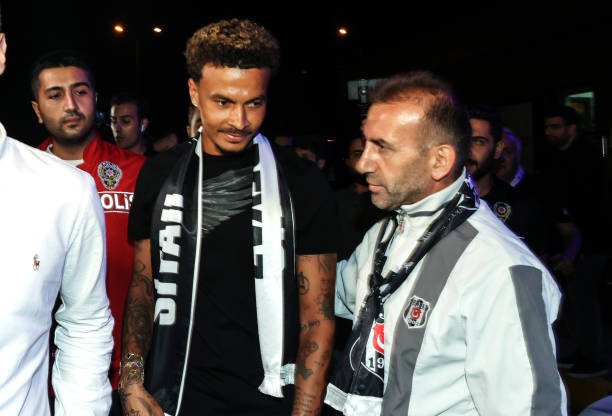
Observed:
{"x":51,"y":242}
{"x":452,"y":312}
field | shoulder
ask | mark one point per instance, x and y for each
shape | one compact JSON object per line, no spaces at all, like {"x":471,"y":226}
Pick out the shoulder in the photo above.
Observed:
{"x":493,"y":253}
{"x":57,"y":189}
{"x":495,"y":239}
{"x":123,"y":158}
{"x":304,"y":178}
{"x":161,"y":163}
{"x":43,"y":167}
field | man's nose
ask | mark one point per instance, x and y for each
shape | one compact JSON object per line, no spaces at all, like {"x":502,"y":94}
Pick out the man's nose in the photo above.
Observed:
{"x":239,"y":118}
{"x":70,"y":103}
{"x":365,"y":164}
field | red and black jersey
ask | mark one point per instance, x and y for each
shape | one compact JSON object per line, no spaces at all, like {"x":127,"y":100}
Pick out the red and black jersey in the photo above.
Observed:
{"x":115,"y":172}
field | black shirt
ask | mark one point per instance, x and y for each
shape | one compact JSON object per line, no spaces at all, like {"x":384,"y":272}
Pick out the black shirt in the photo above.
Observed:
{"x":225,"y":368}
{"x":358,"y":215}
{"x":522,"y":213}
{"x":577,"y":178}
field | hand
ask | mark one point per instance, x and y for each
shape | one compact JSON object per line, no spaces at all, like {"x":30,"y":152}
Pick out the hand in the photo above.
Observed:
{"x":136,"y":401}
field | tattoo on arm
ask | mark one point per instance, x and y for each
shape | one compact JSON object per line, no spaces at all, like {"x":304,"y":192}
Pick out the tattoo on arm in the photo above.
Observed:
{"x":140,"y":304}
{"x":302,"y":370}
{"x":140,"y":279}
{"x":315,"y":279}
{"x":311,"y":324}
{"x":304,"y":402}
{"x":303,"y":283}
{"x":325,"y":300}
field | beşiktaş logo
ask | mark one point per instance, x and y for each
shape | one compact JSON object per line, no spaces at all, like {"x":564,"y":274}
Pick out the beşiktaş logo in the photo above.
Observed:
{"x":374,"y":360}
{"x":110,"y":174}
{"x":416,"y":313}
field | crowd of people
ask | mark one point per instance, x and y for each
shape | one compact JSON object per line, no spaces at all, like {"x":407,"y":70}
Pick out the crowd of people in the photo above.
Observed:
{"x":204,"y":277}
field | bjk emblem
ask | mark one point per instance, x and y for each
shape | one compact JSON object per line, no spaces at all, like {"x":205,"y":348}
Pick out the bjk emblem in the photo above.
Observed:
{"x":416,"y":313}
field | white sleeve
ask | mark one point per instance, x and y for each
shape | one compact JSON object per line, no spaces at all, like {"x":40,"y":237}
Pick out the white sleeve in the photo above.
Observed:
{"x":84,"y":333}
{"x":346,"y":285}
{"x":510,"y":361}
{"x":347,"y":276}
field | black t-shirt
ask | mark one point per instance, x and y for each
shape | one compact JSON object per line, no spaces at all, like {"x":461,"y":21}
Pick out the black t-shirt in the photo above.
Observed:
{"x":225,"y":369}
{"x":577,"y":177}
{"x":523,"y":214}
{"x":358,"y":215}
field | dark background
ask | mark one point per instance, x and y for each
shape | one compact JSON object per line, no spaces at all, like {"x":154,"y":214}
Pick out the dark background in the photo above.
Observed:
{"x":514,"y":56}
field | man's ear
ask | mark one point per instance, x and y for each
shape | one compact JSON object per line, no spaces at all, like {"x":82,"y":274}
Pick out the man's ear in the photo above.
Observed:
{"x":442,"y":159}
{"x":193,"y":92}
{"x":499,"y":148}
{"x":144,"y":124}
{"x":37,"y":112}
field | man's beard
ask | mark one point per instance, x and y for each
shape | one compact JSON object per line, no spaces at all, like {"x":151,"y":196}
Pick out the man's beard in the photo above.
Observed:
{"x":59,"y":135}
{"x":482,"y":169}
{"x":558,"y":141}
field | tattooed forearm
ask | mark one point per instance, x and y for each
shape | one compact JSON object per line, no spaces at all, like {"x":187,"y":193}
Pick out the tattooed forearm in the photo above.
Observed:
{"x":303,"y":283}
{"x":325,"y":300}
{"x":305,"y":404}
{"x":325,"y":263}
{"x":138,"y":322}
{"x":301,"y":370}
{"x":139,"y":279}
{"x":317,"y":324}
{"x":140,"y":304}
{"x":310,"y":325}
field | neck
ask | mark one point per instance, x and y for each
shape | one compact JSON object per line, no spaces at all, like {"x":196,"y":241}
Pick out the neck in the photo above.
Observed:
{"x":71,"y":152}
{"x":434,"y":202}
{"x":139,"y":148}
{"x":484,"y":184}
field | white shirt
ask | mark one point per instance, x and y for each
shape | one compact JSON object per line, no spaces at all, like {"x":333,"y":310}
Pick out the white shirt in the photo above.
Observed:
{"x":52,"y":242}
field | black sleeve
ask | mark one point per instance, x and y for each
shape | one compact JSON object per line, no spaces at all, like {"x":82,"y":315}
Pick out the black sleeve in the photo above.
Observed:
{"x":150,"y":180}
{"x":316,"y":214}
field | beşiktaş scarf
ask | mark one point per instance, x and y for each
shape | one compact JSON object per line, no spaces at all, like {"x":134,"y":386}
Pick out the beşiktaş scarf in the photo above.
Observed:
{"x":361,"y":371}
{"x":176,"y":233}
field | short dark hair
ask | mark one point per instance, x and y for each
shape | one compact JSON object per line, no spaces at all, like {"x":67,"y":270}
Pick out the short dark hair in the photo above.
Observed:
{"x":493,"y":116}
{"x":130,"y":97}
{"x":233,"y":43}
{"x":568,"y":114}
{"x":57,"y":59}
{"x":446,"y":119}
{"x":314,"y":143}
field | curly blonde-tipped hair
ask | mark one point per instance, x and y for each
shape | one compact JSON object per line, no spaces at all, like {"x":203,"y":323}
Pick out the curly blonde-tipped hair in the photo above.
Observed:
{"x":233,"y":43}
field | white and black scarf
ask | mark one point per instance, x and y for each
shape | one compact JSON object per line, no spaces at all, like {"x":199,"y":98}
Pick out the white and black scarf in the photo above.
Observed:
{"x":176,"y":234}
{"x":361,"y":371}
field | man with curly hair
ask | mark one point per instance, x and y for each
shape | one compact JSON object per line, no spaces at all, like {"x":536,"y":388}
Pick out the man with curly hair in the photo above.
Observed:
{"x":231,"y":301}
